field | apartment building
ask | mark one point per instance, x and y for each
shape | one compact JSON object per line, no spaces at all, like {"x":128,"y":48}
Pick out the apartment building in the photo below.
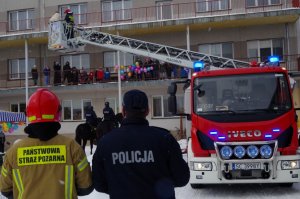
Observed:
{"x":239,"y":29}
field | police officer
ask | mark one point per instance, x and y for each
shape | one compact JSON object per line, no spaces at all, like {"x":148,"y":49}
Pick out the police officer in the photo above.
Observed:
{"x":108,"y":117}
{"x":91,"y":117}
{"x":45,"y":164}
{"x":137,"y":160}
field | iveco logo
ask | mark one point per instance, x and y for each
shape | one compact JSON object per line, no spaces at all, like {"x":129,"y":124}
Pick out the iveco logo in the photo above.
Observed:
{"x":244,"y":134}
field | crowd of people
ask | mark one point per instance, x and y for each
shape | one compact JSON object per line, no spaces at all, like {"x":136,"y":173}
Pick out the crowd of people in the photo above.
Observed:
{"x":142,"y":70}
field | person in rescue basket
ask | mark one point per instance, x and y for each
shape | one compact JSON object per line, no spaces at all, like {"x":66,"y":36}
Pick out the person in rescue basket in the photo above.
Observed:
{"x":138,"y":161}
{"x":45,"y":164}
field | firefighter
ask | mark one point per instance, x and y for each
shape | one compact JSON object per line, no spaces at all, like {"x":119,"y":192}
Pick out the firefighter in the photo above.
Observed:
{"x":91,"y":117}
{"x":138,"y":160}
{"x":108,"y":117}
{"x":45,"y":164}
{"x":69,"y":18}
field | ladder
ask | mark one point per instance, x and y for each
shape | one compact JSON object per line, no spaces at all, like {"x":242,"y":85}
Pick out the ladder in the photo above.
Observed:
{"x":160,"y":52}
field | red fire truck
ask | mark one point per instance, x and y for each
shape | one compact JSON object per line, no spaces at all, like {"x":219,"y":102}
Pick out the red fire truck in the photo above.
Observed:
{"x":243,"y":126}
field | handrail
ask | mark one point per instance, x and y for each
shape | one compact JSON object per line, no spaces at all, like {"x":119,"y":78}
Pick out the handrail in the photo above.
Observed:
{"x":291,"y":62}
{"x":148,"y":14}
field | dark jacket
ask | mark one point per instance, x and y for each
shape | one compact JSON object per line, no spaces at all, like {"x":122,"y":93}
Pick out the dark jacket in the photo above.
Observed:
{"x":34,"y":73}
{"x":69,"y":18}
{"x":139,"y":161}
{"x":108,"y":113}
{"x":91,"y":117}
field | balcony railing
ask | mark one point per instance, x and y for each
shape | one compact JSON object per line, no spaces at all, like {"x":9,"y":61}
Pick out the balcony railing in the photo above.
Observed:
{"x":153,"y":14}
{"x":91,"y":76}
{"x":96,"y":75}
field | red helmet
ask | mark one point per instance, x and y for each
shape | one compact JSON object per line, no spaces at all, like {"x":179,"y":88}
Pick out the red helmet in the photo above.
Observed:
{"x":68,"y":11}
{"x":43,"y":106}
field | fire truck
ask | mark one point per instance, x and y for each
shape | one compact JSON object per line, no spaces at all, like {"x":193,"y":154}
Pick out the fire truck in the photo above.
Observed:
{"x":241,"y":121}
{"x":243,"y":127}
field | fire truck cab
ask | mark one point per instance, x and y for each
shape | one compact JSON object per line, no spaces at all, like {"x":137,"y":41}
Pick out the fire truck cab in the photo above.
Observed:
{"x":243,"y":127}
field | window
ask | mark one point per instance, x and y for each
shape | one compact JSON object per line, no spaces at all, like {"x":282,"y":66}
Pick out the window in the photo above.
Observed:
{"x":67,"y":110}
{"x":160,"y":106}
{"x":116,"y":10}
{"x":18,"y":107}
{"x":220,"y":49}
{"x":79,"y":61}
{"x":79,"y":12}
{"x":21,"y":20}
{"x":111,"y":59}
{"x":211,"y":5}
{"x":257,"y":3}
{"x":75,"y":109}
{"x":164,"y":10}
{"x":260,"y":50}
{"x":17,"y":68}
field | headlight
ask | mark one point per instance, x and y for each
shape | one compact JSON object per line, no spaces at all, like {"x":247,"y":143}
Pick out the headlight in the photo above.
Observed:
{"x":202,"y":166}
{"x":239,"y":151}
{"x":226,"y":152}
{"x":266,"y":151}
{"x":290,"y":164}
{"x":252,"y":151}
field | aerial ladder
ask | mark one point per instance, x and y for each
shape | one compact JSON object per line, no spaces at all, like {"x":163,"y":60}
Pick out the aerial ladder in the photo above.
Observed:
{"x":58,"y":41}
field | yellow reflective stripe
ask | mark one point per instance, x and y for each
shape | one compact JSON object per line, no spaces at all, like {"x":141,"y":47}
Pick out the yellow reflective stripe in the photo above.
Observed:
{"x":83,"y":164}
{"x":18,"y":181}
{"x":69,"y":170}
{"x":47,"y":116}
{"x":31,"y":118}
{"x":4,"y":171}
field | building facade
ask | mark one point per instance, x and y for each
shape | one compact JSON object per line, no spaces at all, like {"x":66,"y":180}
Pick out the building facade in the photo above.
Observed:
{"x":240,"y":29}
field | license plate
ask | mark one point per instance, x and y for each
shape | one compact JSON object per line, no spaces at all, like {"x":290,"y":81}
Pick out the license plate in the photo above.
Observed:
{"x":246,"y":166}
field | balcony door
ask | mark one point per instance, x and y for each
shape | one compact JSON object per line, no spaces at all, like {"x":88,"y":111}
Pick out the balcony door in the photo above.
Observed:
{"x":164,"y":10}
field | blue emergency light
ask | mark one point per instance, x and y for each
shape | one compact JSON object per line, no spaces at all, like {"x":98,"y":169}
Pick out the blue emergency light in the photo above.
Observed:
{"x":273,"y":59}
{"x":198,"y":66}
{"x":213,"y":133}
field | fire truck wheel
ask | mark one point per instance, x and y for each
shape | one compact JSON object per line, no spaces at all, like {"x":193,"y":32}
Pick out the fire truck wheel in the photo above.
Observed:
{"x":197,"y":186}
{"x":286,"y":184}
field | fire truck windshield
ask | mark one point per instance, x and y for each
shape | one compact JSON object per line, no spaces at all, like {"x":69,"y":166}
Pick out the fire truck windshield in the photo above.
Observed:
{"x":267,"y":92}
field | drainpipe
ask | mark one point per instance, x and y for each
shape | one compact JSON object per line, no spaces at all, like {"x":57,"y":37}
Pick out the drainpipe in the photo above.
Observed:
{"x":188,"y":46}
{"x":119,"y":80}
{"x":26,"y":74}
{"x":42,"y":14}
{"x":287,"y":36}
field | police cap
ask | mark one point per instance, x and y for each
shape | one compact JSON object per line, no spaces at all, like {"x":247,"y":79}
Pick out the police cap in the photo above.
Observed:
{"x":135,"y":100}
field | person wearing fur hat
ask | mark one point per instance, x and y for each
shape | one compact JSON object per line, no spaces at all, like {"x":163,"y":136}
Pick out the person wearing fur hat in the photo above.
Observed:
{"x":137,"y":160}
{"x":45,"y":164}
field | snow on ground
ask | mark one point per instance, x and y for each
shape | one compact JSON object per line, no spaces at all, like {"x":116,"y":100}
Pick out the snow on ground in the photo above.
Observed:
{"x":251,"y":191}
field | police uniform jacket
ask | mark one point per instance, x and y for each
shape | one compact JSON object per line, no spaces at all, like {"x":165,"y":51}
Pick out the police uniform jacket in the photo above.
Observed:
{"x":91,"y":117}
{"x":108,"y":114}
{"x":138,"y":161}
{"x":56,"y":168}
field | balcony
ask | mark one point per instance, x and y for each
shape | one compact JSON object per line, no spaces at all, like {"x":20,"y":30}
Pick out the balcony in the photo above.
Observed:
{"x":77,"y":77}
{"x":206,"y":9}
{"x":95,"y":76}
